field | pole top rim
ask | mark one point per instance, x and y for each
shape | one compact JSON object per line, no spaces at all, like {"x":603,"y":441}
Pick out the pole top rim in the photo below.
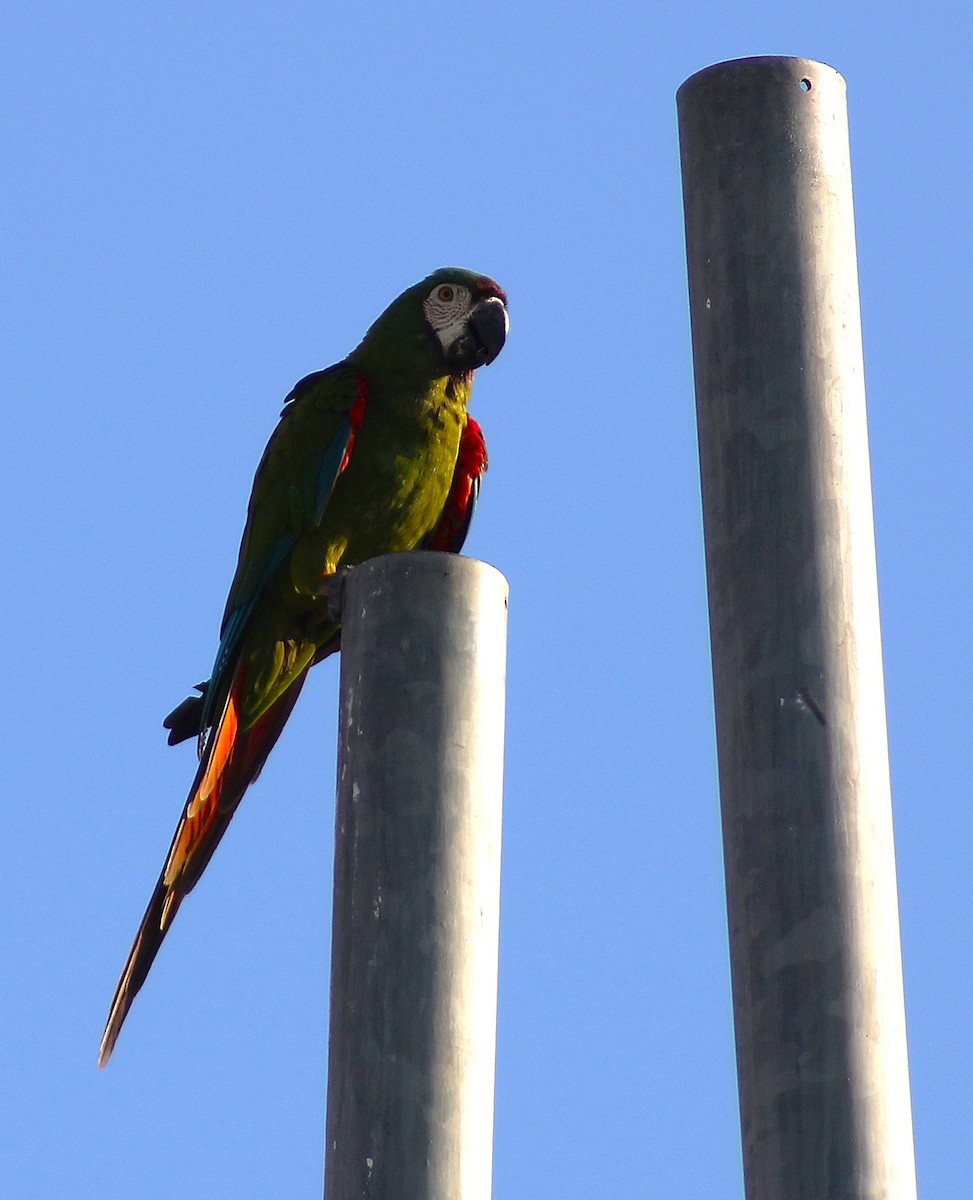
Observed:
{"x":785,"y":69}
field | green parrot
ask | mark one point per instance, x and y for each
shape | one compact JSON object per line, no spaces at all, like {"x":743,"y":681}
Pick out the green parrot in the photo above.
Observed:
{"x":373,"y":455}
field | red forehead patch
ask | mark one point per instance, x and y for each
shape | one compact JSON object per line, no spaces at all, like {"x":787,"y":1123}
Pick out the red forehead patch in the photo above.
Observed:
{"x":487,"y":287}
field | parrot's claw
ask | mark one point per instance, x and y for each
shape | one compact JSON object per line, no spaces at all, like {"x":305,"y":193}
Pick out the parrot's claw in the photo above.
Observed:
{"x":332,"y":592}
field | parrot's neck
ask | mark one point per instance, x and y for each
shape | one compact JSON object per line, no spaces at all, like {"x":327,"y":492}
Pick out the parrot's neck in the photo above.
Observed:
{"x":399,"y":362}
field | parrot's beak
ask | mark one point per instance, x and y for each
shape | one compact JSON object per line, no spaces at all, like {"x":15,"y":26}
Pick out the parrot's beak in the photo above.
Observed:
{"x":483,"y":338}
{"x":488,"y":322}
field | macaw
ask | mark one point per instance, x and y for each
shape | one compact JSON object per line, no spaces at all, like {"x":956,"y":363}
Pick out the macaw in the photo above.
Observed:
{"x":373,"y":455}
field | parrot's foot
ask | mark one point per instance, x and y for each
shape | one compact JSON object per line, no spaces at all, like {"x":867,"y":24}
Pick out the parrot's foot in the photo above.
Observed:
{"x":332,"y":591}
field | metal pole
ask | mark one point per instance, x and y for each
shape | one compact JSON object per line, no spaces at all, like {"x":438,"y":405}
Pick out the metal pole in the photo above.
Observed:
{"x":800,"y":710}
{"x":417,"y":880}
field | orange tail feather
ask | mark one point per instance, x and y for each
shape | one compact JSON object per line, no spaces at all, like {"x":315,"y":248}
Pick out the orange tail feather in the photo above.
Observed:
{"x":231,"y":762}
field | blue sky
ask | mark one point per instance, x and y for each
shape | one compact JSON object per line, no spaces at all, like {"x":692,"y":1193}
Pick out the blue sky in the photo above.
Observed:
{"x":201,"y":204}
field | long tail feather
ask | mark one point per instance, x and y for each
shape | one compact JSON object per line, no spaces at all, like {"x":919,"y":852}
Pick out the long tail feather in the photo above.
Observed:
{"x":231,"y":762}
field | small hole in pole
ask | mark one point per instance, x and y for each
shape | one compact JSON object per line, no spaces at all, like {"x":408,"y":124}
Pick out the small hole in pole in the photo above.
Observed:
{"x":805,"y":85}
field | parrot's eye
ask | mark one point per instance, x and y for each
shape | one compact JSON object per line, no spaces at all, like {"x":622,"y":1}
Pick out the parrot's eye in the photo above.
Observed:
{"x":446,"y":308}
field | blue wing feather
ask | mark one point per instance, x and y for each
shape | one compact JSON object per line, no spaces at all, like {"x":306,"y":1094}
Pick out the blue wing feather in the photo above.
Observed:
{"x":303,"y":508}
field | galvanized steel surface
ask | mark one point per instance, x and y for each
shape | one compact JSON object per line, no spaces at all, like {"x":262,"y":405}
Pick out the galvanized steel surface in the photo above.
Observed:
{"x":794,"y":619}
{"x":417,"y":880}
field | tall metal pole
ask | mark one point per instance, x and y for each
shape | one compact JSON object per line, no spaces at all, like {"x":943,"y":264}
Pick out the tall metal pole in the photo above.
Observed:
{"x":417,"y":880}
{"x":800,"y":712}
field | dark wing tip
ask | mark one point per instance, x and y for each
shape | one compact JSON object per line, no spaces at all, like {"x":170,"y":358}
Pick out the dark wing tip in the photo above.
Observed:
{"x":186,"y":718}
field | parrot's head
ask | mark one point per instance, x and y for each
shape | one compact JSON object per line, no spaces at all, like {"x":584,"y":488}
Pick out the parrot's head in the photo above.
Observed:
{"x":467,"y":316}
{"x":448,"y":324}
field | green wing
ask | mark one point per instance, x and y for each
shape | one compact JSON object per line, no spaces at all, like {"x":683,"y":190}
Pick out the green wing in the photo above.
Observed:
{"x":291,"y":488}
